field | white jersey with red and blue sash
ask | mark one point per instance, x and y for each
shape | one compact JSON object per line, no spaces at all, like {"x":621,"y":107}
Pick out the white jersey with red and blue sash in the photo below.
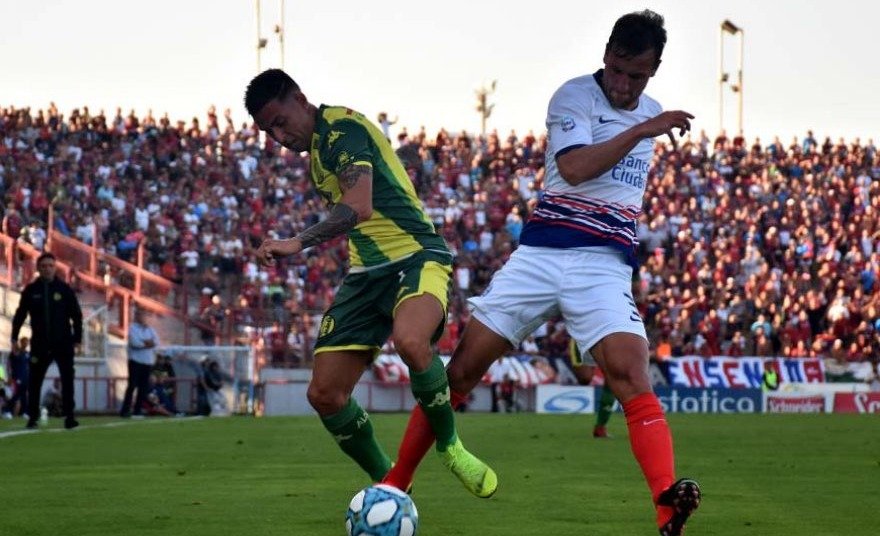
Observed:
{"x":603,"y":211}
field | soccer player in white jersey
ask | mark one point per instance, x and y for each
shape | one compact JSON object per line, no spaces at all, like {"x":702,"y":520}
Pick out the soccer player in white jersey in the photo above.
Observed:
{"x":577,"y":255}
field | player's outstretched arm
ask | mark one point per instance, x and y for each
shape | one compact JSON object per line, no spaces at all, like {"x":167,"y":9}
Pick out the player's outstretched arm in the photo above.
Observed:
{"x":590,"y":161}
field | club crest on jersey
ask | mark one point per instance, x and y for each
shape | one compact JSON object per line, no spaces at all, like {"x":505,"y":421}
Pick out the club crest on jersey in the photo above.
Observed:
{"x":567,"y":123}
{"x":327,"y":326}
{"x":344,"y":158}
{"x":333,"y":136}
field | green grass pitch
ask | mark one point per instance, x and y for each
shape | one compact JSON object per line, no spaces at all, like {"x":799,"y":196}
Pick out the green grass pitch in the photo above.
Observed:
{"x":761,"y":475}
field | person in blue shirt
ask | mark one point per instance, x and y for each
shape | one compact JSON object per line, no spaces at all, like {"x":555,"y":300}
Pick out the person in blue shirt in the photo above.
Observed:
{"x":142,"y":343}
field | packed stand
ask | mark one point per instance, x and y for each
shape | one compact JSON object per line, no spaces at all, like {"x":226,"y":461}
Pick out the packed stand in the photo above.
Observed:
{"x":746,"y":249}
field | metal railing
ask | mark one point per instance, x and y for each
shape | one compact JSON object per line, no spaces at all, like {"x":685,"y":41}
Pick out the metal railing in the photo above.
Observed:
{"x":122,"y":283}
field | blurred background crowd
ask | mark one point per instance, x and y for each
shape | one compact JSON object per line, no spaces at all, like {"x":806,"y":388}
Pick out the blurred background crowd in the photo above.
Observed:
{"x":747,"y":247}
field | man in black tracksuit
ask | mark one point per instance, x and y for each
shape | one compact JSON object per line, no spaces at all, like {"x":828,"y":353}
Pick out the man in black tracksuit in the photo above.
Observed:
{"x":56,"y":327}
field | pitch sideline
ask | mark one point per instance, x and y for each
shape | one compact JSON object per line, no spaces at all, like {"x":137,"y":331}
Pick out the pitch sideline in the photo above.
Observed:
{"x":114,"y":424}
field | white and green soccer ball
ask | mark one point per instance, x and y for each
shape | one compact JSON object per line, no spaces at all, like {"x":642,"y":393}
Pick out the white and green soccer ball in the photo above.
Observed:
{"x":381,"y":510}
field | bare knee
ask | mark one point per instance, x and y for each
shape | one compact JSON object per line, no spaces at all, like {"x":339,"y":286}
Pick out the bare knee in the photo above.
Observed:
{"x":326,"y":400}
{"x":414,"y":350}
{"x":628,"y":374}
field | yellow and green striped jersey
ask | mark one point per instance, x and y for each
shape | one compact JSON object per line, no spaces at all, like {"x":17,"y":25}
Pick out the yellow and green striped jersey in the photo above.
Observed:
{"x":399,"y":225}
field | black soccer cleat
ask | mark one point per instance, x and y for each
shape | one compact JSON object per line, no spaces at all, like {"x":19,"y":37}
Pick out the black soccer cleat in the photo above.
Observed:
{"x":684,"y":497}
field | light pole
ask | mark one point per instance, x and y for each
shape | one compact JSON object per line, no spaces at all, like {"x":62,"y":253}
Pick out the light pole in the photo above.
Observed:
{"x":727,"y":27}
{"x":261,"y":41}
{"x":279,"y":30}
{"x":483,"y":106}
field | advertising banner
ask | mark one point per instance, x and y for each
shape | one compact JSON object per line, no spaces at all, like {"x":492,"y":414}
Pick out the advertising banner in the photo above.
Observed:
{"x":793,"y":403}
{"x":565,"y":399}
{"x":687,"y":400}
{"x":856,"y":402}
{"x":743,"y":372}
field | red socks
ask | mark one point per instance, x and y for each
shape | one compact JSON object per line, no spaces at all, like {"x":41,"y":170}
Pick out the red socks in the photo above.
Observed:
{"x":649,"y":437}
{"x":416,"y":442}
{"x":651,"y":444}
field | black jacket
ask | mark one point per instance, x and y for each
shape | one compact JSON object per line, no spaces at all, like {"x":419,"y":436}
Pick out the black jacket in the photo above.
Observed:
{"x":56,"y":319}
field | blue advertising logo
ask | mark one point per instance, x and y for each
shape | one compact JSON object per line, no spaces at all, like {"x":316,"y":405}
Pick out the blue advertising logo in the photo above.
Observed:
{"x":568,"y":402}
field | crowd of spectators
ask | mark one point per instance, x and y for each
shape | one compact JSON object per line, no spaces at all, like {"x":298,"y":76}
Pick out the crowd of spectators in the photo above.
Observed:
{"x":747,"y":248}
{"x":766,"y":250}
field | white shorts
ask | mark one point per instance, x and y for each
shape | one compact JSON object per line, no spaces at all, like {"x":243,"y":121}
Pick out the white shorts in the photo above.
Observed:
{"x":590,"y":287}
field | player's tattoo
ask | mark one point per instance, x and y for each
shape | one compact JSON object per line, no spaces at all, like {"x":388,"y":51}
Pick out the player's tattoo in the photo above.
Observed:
{"x":349,"y":175}
{"x":342,"y":219}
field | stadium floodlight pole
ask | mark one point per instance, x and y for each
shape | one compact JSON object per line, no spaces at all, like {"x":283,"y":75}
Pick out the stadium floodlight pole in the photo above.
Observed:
{"x":722,"y":78}
{"x":483,"y":106}
{"x":729,"y":27}
{"x":279,"y":29}
{"x":261,"y":42}
{"x":259,"y":48}
{"x":739,"y":83}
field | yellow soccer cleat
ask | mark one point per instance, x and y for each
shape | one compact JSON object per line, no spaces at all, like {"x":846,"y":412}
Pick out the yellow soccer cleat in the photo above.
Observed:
{"x":477,"y":477}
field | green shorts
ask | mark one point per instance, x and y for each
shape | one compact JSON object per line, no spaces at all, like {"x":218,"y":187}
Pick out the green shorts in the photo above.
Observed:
{"x":362,"y":314}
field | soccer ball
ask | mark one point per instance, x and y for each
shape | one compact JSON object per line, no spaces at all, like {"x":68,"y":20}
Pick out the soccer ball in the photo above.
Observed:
{"x":381,"y":510}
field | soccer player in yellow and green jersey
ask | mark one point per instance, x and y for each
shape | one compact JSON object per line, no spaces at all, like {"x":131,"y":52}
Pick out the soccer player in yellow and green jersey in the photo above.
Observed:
{"x":398,"y":282}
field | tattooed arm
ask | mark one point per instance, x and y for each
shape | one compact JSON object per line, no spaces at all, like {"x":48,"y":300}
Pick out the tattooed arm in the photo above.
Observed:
{"x":342,"y":219}
{"x":356,"y":184}
{"x":355,"y":206}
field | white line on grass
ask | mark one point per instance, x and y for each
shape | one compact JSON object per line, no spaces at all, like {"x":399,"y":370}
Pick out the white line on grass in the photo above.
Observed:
{"x":113,"y":424}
